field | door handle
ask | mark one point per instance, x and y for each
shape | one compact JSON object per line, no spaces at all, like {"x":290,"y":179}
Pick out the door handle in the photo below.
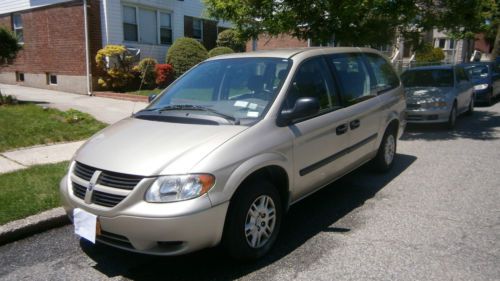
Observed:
{"x":354,"y":124}
{"x":341,"y":129}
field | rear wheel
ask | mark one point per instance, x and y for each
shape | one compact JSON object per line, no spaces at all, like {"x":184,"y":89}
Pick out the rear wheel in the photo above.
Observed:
{"x":386,"y":151}
{"x":253,"y":221}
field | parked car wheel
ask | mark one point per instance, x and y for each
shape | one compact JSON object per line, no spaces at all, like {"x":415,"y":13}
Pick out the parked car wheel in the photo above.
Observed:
{"x":253,"y":221}
{"x":386,"y":151}
{"x":470,"y":110}
{"x":452,"y":120}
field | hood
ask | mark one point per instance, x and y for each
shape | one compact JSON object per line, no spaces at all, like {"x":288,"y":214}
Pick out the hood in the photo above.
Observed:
{"x":416,"y":95}
{"x":148,"y":148}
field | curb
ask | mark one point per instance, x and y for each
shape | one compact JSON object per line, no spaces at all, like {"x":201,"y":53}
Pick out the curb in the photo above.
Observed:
{"x":22,"y":228}
{"x":121,"y":96}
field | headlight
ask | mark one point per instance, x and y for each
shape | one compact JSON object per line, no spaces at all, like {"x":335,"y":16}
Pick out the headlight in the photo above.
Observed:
{"x":178,"y":188}
{"x":480,"y":87}
{"x":433,"y":104}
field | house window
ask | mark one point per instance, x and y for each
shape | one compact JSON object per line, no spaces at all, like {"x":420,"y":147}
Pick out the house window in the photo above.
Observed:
{"x":165,"y":29}
{"x":452,"y":44}
{"x":19,"y":76}
{"x":442,"y":43}
{"x":198,"y":29}
{"x":51,"y":79}
{"x":130,"y":24}
{"x":147,"y":26}
{"x":17,"y":23}
{"x":148,"y":29}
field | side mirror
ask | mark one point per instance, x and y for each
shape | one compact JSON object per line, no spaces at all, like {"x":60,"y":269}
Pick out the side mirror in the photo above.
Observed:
{"x":151,"y":97}
{"x":303,"y":107}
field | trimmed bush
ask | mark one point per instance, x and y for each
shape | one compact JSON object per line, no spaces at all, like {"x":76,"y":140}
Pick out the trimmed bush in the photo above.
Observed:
{"x":7,"y":99}
{"x":217,"y":51}
{"x":427,"y":53}
{"x":184,"y":54}
{"x":230,"y":38}
{"x":164,"y":74}
{"x":8,"y":45}
{"x":117,"y":69}
{"x":146,"y":70}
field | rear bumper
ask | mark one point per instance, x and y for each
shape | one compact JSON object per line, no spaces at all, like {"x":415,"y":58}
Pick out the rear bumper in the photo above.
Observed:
{"x":142,"y":228}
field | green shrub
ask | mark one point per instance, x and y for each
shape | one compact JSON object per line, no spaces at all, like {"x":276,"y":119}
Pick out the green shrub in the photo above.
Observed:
{"x":117,"y":72}
{"x":8,"y":45}
{"x":427,"y":53}
{"x":185,"y":53}
{"x":146,"y":70}
{"x":217,"y":51}
{"x":7,"y":99}
{"x":230,"y":38}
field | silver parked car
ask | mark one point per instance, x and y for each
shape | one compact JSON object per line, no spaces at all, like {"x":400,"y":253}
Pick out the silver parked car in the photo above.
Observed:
{"x":223,"y":152}
{"x":437,"y":94}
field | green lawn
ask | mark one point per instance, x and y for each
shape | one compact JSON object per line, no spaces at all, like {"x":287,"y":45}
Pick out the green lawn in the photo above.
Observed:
{"x":28,"y":124}
{"x":146,"y":92}
{"x":30,"y":191}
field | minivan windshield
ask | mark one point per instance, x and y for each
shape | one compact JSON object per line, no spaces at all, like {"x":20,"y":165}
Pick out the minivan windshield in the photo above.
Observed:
{"x":428,"y":78}
{"x":238,"y":89}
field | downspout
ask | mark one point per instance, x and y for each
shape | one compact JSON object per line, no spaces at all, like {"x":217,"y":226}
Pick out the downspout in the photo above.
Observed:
{"x":87,"y":62}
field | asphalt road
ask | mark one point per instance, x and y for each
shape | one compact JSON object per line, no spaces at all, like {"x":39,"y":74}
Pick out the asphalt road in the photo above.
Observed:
{"x":435,"y":216}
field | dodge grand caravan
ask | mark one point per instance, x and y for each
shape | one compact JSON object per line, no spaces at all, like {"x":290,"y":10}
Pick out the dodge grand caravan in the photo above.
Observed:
{"x":222,"y":153}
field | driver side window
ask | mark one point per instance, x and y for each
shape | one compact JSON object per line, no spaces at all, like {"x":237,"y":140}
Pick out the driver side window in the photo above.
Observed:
{"x":312,"y":79}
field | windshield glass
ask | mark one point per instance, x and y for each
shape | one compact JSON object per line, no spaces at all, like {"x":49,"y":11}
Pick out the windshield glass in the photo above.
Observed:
{"x":478,"y":71}
{"x":241,"y":89}
{"x":428,"y":78}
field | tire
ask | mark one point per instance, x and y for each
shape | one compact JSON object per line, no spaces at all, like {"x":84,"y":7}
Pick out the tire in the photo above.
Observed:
{"x":452,"y":120}
{"x":243,"y":229}
{"x":384,"y":160}
{"x":470,"y":110}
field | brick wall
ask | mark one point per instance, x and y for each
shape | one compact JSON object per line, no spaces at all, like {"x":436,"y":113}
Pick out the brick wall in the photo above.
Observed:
{"x":266,"y":42}
{"x":53,"y":40}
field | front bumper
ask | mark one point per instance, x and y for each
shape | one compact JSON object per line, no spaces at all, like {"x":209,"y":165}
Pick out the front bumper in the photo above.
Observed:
{"x":482,"y":95}
{"x":427,"y":115}
{"x":153,"y":228}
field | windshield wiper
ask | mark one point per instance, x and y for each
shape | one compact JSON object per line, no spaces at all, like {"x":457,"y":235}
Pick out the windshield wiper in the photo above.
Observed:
{"x":194,"y":107}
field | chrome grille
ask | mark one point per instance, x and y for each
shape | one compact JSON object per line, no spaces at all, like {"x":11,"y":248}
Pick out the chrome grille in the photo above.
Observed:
{"x":83,"y":171}
{"x":79,"y":190}
{"x":412,"y":106}
{"x":106,"y":199}
{"x":110,"y":180}
{"x":117,"y":180}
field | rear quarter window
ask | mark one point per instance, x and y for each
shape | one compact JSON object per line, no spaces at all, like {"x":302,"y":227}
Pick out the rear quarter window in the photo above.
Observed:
{"x":385,"y":76}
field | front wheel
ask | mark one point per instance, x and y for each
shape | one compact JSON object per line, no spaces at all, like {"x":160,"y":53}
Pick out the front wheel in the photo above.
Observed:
{"x":253,"y":221}
{"x":384,"y":159}
{"x":452,"y":120}
{"x":470,"y":110}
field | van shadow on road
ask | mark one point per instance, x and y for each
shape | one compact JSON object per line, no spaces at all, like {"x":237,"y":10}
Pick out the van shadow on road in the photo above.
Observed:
{"x":482,"y":125}
{"x":306,"y":219}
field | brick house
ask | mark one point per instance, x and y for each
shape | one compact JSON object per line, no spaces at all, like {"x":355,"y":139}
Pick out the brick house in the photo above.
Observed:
{"x":57,"y":55}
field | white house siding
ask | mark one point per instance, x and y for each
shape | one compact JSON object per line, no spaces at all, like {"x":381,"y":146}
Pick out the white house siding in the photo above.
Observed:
{"x":11,"y":6}
{"x":112,"y":22}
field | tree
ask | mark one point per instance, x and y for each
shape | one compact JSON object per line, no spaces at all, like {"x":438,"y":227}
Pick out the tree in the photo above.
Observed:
{"x":353,"y":22}
{"x":231,"y":39}
{"x":8,"y":45}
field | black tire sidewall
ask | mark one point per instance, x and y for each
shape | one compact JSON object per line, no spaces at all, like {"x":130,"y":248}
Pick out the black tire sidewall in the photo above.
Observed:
{"x":234,"y":239}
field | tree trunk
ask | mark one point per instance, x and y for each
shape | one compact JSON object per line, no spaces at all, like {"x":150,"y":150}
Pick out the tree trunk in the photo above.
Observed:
{"x":496,"y":45}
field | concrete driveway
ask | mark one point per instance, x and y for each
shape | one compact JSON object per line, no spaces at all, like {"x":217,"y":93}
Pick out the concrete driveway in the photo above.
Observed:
{"x":103,"y":109}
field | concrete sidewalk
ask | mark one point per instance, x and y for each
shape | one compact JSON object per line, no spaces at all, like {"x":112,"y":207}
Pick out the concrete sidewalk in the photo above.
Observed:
{"x":103,"y":109}
{"x":44,"y":154}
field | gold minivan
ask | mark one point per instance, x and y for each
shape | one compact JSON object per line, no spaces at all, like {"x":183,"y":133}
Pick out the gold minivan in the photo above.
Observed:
{"x":222,"y":153}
